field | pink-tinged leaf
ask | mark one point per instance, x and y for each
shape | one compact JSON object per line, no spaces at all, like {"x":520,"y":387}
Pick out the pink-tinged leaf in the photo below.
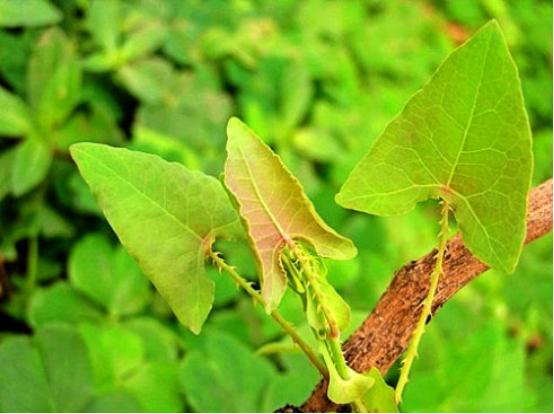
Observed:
{"x":275,"y":209}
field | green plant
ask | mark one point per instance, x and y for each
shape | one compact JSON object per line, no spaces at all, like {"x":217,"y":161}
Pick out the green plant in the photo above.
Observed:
{"x":463,"y":139}
{"x":318,"y":80}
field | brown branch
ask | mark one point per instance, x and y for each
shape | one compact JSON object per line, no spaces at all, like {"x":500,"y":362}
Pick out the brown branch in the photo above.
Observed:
{"x":385,"y":334}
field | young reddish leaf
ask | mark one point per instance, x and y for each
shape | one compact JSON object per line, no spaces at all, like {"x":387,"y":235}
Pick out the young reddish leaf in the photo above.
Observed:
{"x":275,"y":209}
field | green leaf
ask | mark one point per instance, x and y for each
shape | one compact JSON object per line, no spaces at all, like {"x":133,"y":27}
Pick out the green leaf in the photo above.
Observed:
{"x":156,"y":387}
{"x":167,"y":147}
{"x":52,"y":224}
{"x":194,"y":110}
{"x":380,"y":398}
{"x":7,"y":159}
{"x":103,"y":23}
{"x":291,"y":386}
{"x":333,"y":302}
{"x":60,"y":303}
{"x":114,"y":402}
{"x":226,"y":290}
{"x":145,"y":40}
{"x":149,"y":79}
{"x":14,"y":54}
{"x":297,"y":90}
{"x":50,"y":372}
{"x":224,"y":376}
{"x":23,"y":383}
{"x":27,"y":13}
{"x":108,"y":276}
{"x":160,"y":342}
{"x":116,"y":353}
{"x":83,"y":127}
{"x":15,"y":119}
{"x":166,"y":216}
{"x":464,"y":138}
{"x":119,"y":358}
{"x":317,"y":145}
{"x":326,"y":311}
{"x":485,"y":372}
{"x":345,"y":390}
{"x":54,"y":78}
{"x":31,"y":164}
{"x":65,"y":359}
{"x":275,"y":209}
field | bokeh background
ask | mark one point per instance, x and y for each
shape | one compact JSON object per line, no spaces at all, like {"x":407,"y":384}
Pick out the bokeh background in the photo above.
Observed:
{"x":81,"y":328}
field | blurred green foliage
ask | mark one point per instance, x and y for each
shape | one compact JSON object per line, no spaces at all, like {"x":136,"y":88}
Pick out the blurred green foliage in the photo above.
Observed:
{"x":81,"y":328}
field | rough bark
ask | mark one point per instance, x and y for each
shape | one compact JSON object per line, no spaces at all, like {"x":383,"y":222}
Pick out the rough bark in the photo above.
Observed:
{"x":385,"y":334}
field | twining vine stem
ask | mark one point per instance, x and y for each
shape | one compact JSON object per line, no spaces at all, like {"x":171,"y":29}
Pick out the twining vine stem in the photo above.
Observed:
{"x":386,"y":332}
{"x":282,"y":322}
{"x":332,"y":339}
{"x":411,"y":353}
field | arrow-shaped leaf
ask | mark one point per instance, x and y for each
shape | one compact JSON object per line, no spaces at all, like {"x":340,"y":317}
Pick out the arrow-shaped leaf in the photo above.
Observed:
{"x":465,"y":138}
{"x":166,"y":216}
{"x":275,"y":208}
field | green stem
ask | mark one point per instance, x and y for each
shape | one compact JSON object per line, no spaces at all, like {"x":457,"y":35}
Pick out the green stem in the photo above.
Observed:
{"x":283,"y":323}
{"x":359,"y":406}
{"x":32,"y":259}
{"x":411,"y":353}
{"x":335,"y":349}
{"x":307,"y":268}
{"x":332,"y":340}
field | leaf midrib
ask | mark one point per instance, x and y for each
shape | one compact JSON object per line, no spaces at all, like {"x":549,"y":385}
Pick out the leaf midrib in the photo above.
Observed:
{"x":260,"y":198}
{"x":471,"y":115}
{"x":462,"y":145}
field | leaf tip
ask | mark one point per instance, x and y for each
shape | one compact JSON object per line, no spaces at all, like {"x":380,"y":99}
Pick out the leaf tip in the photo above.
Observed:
{"x":351,"y":250}
{"x":509,"y":266}
{"x":493,"y":24}
{"x":493,"y":27}
{"x":235,"y":125}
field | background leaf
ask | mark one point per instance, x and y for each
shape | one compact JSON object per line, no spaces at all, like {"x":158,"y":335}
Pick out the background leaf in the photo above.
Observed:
{"x":15,"y":118}
{"x":53,"y":374}
{"x":204,"y":375}
{"x":30,"y":166}
{"x":380,"y":398}
{"x":30,"y":13}
{"x":26,"y":387}
{"x":484,"y":374}
{"x":108,"y":276}
{"x":54,"y":78}
{"x":60,"y":303}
